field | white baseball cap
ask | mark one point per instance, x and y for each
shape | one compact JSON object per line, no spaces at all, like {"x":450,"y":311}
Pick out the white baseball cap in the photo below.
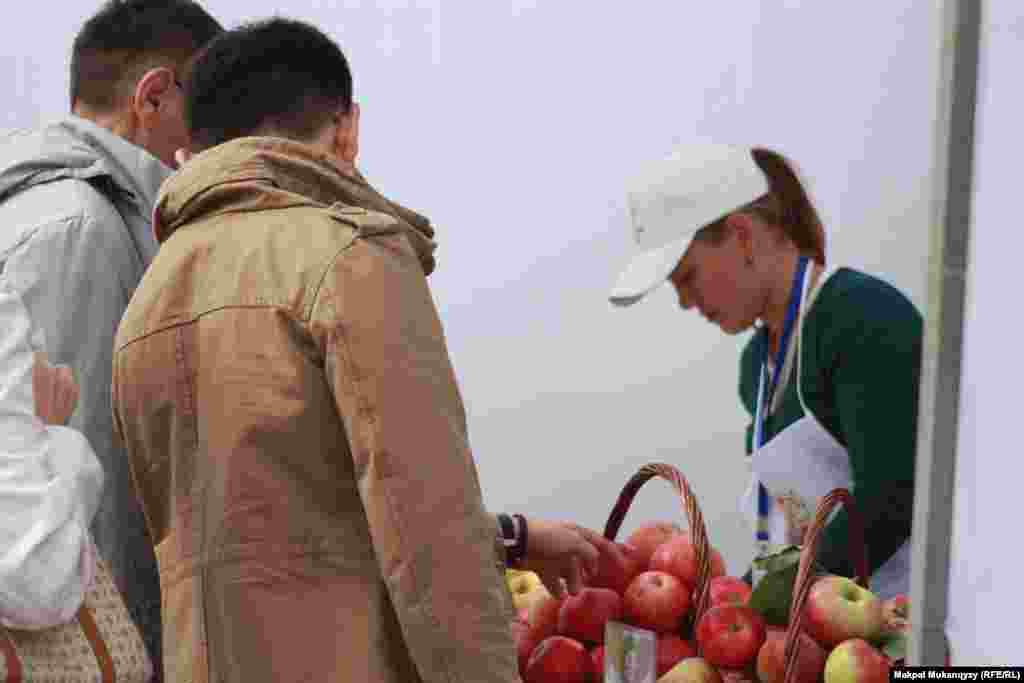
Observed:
{"x":675,"y":197}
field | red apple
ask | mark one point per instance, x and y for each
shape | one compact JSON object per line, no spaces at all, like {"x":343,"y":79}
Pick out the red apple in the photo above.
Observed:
{"x":856,"y":661}
{"x":524,"y":648}
{"x":617,"y":570}
{"x":671,"y":649}
{"x":584,"y":615}
{"x":656,"y":601}
{"x":597,"y":664}
{"x":544,"y":618}
{"x":648,"y":537}
{"x":728,"y":590}
{"x":771,"y":660}
{"x":731,"y":635}
{"x":691,"y":670}
{"x":558,"y":659}
{"x":896,"y":614}
{"x":678,"y":556}
{"x":838,"y":609}
{"x":519,"y":629}
{"x":744,"y":675}
{"x":898,"y":606}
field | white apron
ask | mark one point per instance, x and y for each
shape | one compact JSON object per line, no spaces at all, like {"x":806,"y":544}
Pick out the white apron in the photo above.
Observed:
{"x":803,"y":463}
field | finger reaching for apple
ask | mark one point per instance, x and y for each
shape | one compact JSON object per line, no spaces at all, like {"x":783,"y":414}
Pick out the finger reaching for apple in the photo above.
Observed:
{"x":563,"y":555}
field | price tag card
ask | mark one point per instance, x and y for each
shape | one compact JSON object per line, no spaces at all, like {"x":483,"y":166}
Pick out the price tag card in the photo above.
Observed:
{"x":630,"y":654}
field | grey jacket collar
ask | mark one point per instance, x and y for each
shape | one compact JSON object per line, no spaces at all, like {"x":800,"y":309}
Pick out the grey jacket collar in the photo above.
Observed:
{"x":74,"y":147}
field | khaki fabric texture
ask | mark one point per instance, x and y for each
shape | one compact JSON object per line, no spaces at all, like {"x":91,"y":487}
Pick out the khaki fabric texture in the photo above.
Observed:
{"x":297,"y":436}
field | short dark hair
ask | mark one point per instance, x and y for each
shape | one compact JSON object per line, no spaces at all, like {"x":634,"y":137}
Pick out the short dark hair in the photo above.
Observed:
{"x":127,"y":37}
{"x":276,"y":76}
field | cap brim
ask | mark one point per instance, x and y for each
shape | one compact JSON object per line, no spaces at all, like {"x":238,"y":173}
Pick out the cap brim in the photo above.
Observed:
{"x":646,"y":271}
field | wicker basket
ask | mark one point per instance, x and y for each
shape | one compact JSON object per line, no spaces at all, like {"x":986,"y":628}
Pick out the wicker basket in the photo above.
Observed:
{"x":698,"y":533}
{"x":806,"y":575}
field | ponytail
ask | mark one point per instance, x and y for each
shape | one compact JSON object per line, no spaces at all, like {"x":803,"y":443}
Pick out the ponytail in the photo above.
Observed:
{"x":788,"y":206}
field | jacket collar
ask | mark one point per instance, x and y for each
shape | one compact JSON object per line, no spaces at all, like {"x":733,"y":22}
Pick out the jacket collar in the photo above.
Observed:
{"x":73,"y":147}
{"x":259,"y":173}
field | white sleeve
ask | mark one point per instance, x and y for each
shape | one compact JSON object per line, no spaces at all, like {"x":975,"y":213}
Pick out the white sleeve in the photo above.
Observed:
{"x":50,"y":486}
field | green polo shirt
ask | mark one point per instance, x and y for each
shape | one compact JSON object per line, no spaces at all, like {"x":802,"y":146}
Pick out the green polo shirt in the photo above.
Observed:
{"x":861,"y":366}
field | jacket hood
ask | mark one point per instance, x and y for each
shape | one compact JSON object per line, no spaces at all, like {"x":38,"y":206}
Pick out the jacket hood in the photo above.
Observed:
{"x":77,"y":148}
{"x":260,"y":173}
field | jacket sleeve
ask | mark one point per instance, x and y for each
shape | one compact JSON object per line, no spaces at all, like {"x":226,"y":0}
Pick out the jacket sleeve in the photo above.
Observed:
{"x":875,"y":371}
{"x":388,"y":366}
{"x":76,"y":275}
{"x":50,"y":485}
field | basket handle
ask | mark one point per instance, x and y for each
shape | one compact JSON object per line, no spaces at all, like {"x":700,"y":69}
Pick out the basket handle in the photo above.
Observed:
{"x":698,"y":532}
{"x":806,"y":577}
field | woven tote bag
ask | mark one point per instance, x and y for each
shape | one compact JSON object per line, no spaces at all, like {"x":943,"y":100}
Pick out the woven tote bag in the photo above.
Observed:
{"x":100,"y":645}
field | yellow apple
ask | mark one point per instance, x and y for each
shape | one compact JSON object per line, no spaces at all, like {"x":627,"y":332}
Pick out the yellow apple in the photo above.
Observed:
{"x":856,"y":661}
{"x":526,"y":588}
{"x":520,"y":580}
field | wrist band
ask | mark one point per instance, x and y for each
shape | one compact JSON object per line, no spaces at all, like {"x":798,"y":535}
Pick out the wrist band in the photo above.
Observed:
{"x":512,"y":530}
{"x":523,"y":534}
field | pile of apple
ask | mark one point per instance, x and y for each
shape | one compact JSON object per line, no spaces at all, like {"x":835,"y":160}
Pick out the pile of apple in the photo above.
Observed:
{"x":841,"y":628}
{"x":651,"y":586}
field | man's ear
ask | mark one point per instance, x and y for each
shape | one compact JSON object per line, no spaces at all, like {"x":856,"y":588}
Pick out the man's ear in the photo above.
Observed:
{"x":182,"y":156}
{"x":150,"y":91}
{"x":347,"y":136}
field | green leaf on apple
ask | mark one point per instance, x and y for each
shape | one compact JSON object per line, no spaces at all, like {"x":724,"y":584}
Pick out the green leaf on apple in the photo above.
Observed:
{"x":778,"y":560}
{"x":894,"y":645}
{"x":773,"y":595}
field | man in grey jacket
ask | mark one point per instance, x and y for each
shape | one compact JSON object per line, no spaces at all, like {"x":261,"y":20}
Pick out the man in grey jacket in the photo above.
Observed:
{"x":76,"y":198}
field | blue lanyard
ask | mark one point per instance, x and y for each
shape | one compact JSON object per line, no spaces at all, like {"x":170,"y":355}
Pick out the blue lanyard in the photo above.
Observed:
{"x":764,"y":500}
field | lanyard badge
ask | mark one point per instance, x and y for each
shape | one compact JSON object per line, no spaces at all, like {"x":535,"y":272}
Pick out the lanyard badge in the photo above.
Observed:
{"x":764,"y":400}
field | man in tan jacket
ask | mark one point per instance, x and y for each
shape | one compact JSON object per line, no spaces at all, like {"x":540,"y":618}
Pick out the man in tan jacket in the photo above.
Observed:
{"x":294,"y":425}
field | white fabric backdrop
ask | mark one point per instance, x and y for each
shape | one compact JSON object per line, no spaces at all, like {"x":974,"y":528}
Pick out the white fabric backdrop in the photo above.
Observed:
{"x":515,"y":125}
{"x":985,"y":598}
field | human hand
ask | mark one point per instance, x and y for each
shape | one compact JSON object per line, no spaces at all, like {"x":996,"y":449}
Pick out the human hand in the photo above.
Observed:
{"x":563,"y":555}
{"x":54,"y":391}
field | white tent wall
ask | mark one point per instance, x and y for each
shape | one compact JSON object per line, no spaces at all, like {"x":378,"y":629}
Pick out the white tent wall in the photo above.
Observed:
{"x":515,"y":125}
{"x":985,"y":556}
{"x":558,"y":104}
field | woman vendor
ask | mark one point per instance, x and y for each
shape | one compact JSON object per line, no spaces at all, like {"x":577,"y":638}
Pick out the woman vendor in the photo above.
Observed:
{"x":830,"y":374}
